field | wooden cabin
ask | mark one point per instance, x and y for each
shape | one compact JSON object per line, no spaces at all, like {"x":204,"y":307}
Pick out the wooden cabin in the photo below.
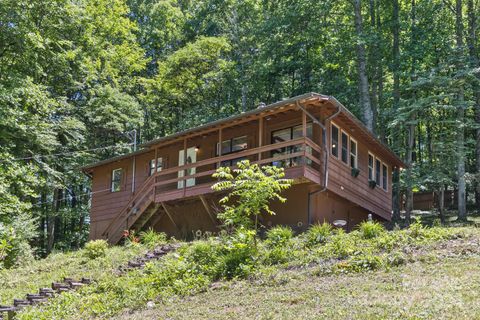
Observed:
{"x":341,"y":171}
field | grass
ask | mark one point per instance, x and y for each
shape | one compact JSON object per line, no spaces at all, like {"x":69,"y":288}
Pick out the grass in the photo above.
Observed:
{"x":435,"y":289}
{"x":16,"y":283}
{"x":324,"y":272}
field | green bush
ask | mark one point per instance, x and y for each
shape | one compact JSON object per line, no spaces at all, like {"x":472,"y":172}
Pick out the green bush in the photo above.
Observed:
{"x":371,"y":229}
{"x":239,"y":254}
{"x":277,"y":255}
{"x":152,"y":239}
{"x":204,"y":257}
{"x":279,"y":236}
{"x":96,"y":249}
{"x":318,"y":233}
{"x":14,"y":241}
{"x":360,"y":262}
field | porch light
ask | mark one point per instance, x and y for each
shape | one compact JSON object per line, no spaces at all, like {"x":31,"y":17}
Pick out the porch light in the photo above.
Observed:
{"x":334,"y":145}
{"x":197,"y":149}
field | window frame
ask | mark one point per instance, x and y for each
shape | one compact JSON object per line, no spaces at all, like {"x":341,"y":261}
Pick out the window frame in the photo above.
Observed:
{"x":371,"y":168}
{"x":232,"y":162}
{"x":114,"y":183}
{"x":384,"y":176}
{"x":347,"y":155}
{"x":378,"y":171}
{"x":333,"y":124}
{"x":151,"y":166}
{"x":355,"y":164}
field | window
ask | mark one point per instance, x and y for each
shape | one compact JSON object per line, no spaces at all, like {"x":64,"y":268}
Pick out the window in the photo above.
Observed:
{"x":233,"y":145}
{"x":384,"y":177}
{"x":151,"y":170}
{"x":353,"y":153}
{"x":286,"y":135}
{"x":334,"y":139}
{"x":370,"y":167}
{"x":377,"y":171}
{"x":116,"y":180}
{"x":344,"y":147}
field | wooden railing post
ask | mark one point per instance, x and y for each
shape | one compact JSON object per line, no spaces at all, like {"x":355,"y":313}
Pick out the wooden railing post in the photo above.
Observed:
{"x":260,"y":135}
{"x":304,"y":134}
{"x":184,"y":163}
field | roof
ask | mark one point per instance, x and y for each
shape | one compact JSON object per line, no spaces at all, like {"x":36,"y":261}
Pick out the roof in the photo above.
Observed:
{"x":146,"y":146}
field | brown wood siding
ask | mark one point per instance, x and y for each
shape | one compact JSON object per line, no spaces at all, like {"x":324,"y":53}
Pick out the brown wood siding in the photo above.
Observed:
{"x":357,"y":190}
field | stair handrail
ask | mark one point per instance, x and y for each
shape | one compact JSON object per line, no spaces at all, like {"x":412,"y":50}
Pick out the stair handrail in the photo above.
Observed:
{"x":141,"y":192}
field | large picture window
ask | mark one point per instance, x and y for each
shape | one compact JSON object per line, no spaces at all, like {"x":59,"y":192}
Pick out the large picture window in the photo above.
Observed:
{"x":288,"y":134}
{"x":116,"y":181}
{"x":230,"y":146}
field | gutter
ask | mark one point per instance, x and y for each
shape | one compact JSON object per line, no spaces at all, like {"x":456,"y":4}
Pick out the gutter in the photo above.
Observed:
{"x":324,"y":146}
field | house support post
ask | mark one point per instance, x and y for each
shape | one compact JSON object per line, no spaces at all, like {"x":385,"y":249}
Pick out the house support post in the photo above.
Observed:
{"x":208,"y":209}
{"x":184,"y":184}
{"x":169,"y":215}
{"x":219,"y":151}
{"x":260,"y":135}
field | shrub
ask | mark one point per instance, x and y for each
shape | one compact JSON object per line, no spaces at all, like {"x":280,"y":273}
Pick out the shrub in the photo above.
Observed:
{"x":318,"y":233}
{"x":277,"y":255}
{"x":371,"y":229}
{"x":14,"y":237}
{"x":151,"y":239}
{"x":360,"y":262}
{"x":96,"y":249}
{"x":239,"y":254}
{"x":279,"y":236}
{"x":204,"y":257}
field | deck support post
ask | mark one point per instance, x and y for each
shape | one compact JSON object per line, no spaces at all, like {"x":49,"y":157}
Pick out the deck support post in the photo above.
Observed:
{"x":169,"y":215}
{"x":209,"y":211}
{"x":304,"y":134}
{"x":219,"y":151}
{"x":260,"y":135}
{"x":184,"y":163}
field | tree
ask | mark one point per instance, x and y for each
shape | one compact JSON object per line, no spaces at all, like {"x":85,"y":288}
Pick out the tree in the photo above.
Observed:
{"x":250,"y":190}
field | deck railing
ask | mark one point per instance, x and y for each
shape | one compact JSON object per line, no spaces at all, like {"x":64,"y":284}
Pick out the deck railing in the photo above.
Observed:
{"x":301,"y":152}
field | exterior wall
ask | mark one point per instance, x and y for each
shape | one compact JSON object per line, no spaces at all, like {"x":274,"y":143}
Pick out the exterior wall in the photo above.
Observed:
{"x":357,"y":189}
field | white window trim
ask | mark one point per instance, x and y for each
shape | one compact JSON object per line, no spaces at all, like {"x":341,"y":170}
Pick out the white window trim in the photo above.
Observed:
{"x":372,"y":178}
{"x":374,"y":171}
{"x":341,"y":147}
{"x":388,"y":170}
{"x":112,"y":181}
{"x":350,"y":153}
{"x":338,"y":139}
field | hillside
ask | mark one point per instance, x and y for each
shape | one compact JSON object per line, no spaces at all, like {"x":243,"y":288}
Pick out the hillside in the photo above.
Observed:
{"x":442,"y":282}
{"x":417,"y":273}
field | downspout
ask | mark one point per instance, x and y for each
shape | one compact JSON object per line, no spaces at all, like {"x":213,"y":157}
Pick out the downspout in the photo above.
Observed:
{"x":324,"y":147}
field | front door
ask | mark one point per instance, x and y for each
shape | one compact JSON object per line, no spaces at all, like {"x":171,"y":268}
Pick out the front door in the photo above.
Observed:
{"x":191,"y":158}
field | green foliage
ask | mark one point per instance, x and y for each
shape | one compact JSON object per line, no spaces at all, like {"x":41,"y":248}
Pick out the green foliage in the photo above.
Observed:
{"x":240,"y":254}
{"x":152,"y":239}
{"x":318,"y":233}
{"x":251,"y":188}
{"x":371,"y":229}
{"x":14,"y":241}
{"x":95,"y":249}
{"x":279,"y":236}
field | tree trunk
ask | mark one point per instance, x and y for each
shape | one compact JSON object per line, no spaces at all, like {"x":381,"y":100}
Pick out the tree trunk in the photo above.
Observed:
{"x":365,"y":104}
{"x":441,"y":203}
{"x":396,"y":100}
{"x":409,"y":158}
{"x":474,"y":62}
{"x":462,"y":210}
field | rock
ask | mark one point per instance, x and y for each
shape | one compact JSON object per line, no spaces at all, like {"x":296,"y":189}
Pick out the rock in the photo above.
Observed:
{"x":150,"y":305}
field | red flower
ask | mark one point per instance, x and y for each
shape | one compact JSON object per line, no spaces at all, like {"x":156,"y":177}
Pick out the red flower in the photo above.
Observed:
{"x":126,"y":233}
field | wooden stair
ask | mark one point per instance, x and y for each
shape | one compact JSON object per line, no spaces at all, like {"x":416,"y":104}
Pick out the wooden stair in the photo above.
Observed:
{"x":139,"y":209}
